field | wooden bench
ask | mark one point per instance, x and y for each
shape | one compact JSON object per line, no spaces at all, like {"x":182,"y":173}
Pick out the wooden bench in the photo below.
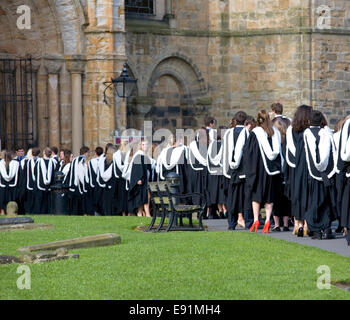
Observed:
{"x":170,"y":205}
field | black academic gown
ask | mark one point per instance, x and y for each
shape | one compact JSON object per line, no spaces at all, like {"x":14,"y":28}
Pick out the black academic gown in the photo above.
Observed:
{"x":236,"y":189}
{"x":138,"y":194}
{"x":77,"y":193}
{"x":108,"y":191}
{"x":197,"y":180}
{"x":343,"y":187}
{"x":321,"y":209}
{"x":263,"y":188}
{"x":29,"y":185}
{"x":42,"y":199}
{"x":216,"y":188}
{"x":121,"y":194}
{"x":282,"y":205}
{"x":296,"y":188}
{"x":9,"y":189}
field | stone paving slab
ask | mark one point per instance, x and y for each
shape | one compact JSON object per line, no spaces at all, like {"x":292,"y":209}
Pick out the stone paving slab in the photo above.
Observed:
{"x":337,"y":245}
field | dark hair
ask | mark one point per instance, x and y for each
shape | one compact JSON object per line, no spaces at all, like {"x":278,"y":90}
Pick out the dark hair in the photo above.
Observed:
{"x":47,"y":152}
{"x":83,"y":150}
{"x":99,"y":151}
{"x":282,"y":125}
{"x":301,"y":118}
{"x":277,"y":108}
{"x":324,"y":121}
{"x":240,"y":117}
{"x":67,"y":157}
{"x":233,"y":123}
{"x":20,"y":148}
{"x":220,"y":132}
{"x":54,"y":150}
{"x":264,"y":121}
{"x":8,"y":157}
{"x":35,"y":152}
{"x":208,"y":121}
{"x":316,"y":118}
{"x":250,"y":120}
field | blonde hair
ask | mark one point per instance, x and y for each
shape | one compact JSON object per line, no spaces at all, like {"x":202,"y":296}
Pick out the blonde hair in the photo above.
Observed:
{"x":124,"y":145}
{"x":90,"y":155}
{"x":29,"y":154}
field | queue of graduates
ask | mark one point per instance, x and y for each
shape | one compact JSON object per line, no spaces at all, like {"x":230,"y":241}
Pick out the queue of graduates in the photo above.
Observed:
{"x":293,"y":168}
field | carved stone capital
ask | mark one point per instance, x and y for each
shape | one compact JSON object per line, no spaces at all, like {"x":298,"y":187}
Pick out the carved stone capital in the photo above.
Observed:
{"x":75,"y":63}
{"x":53,"y":66}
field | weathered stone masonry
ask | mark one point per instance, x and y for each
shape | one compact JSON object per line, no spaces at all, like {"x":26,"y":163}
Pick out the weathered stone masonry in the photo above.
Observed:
{"x":191,"y":58}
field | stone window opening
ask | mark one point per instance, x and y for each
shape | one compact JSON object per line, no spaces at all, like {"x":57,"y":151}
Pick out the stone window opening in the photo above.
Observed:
{"x":140,"y":7}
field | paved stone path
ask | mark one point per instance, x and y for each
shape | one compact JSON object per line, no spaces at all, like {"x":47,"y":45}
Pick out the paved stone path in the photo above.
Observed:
{"x":337,"y":245}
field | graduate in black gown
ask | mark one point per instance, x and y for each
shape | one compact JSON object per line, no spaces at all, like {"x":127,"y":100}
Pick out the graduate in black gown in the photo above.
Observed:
{"x":321,"y":161}
{"x":197,"y":173}
{"x":217,"y":181}
{"x":78,"y":181}
{"x":282,"y":207}
{"x":107,"y":182}
{"x":119,"y":164}
{"x":234,"y":142}
{"x":94,"y":191}
{"x":137,"y":172}
{"x":44,"y":176}
{"x":28,"y":179}
{"x":9,"y":180}
{"x":263,"y":169}
{"x":344,"y":169}
{"x":54,"y":156}
{"x":173,"y":159}
{"x":296,"y":174}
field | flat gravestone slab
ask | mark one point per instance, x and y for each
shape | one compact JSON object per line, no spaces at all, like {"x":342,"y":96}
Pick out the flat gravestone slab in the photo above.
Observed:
{"x":25,"y":226}
{"x":85,"y":242}
{"x":8,"y":259}
{"x":17,"y":220}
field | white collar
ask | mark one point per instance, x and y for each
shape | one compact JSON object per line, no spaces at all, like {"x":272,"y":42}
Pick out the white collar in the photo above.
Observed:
{"x":13,"y":172}
{"x":325,"y":144}
{"x":265,"y":148}
{"x":195,"y":152}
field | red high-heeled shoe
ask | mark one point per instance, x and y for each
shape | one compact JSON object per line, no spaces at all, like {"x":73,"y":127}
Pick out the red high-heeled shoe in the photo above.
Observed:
{"x":255,"y":225}
{"x":266,"y":227}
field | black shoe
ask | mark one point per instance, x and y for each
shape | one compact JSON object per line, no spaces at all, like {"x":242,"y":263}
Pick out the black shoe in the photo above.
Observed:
{"x":215,"y":216}
{"x":285,"y":229}
{"x":205,"y":218}
{"x":339,"y":230}
{"x":317,"y":236}
{"x":231,"y":229}
{"x":222,"y":216}
{"x":276,"y":229}
{"x":300,"y":232}
{"x":329,"y":234}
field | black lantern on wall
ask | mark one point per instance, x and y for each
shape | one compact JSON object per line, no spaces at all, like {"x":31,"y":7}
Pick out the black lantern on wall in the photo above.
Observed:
{"x":123,"y":86}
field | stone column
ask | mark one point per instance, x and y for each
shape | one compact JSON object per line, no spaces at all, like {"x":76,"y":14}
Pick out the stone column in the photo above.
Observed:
{"x":53,"y":69}
{"x":42,"y":110}
{"x":76,"y":68}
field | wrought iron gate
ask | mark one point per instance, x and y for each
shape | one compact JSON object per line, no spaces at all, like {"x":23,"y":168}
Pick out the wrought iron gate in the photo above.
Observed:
{"x":16,"y":104}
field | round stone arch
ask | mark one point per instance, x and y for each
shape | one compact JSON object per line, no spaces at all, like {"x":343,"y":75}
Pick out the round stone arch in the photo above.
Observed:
{"x":172,"y":89}
{"x":187,"y":62}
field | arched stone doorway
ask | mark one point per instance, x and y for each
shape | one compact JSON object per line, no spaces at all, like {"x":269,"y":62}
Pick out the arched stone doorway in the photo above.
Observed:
{"x":172,"y":91}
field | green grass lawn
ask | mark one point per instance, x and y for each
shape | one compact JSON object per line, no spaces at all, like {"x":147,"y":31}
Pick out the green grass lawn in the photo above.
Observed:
{"x":176,"y":265}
